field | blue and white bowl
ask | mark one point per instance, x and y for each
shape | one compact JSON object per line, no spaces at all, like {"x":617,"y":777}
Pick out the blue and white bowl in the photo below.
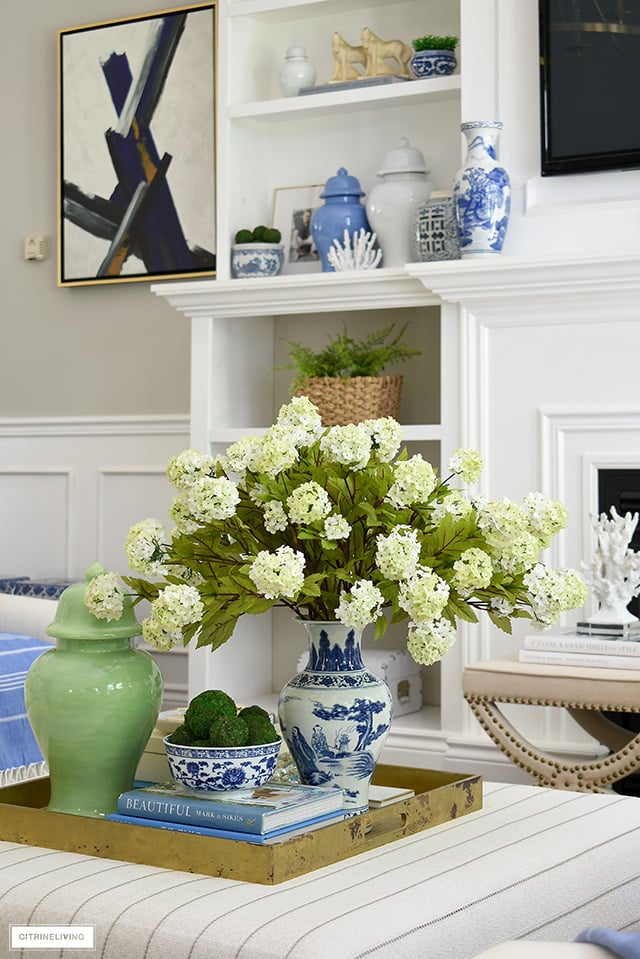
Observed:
{"x":433,"y":63}
{"x":256,"y":259}
{"x":212,"y":768}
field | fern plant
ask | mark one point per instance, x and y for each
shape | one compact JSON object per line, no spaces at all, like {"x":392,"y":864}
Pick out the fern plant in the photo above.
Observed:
{"x":345,"y":357}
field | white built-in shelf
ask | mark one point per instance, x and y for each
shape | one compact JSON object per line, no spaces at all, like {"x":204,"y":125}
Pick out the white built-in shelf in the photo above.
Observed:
{"x":411,"y":92}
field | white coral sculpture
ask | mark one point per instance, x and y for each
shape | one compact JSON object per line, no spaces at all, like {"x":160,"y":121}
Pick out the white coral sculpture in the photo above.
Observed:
{"x":360,"y":256}
{"x":614,"y":573}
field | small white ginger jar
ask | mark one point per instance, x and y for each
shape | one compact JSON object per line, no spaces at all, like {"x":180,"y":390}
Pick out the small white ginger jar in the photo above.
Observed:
{"x":391,"y":204}
{"x":296,"y":72}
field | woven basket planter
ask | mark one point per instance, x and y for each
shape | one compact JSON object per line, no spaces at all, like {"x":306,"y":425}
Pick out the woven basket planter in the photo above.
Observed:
{"x":353,"y":400}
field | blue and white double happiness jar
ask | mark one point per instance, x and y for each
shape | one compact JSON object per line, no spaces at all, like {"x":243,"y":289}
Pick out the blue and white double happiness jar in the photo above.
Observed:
{"x":481,"y":193}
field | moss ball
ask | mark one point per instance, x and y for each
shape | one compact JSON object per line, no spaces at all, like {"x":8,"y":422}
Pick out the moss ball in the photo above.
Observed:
{"x":205,"y":708}
{"x":229,"y":731}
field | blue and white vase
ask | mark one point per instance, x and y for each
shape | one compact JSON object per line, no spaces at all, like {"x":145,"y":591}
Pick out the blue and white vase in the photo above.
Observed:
{"x":481,"y":193}
{"x":342,"y":210}
{"x":335,"y":715}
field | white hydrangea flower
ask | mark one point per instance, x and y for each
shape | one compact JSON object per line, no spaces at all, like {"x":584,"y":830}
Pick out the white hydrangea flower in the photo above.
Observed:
{"x":501,"y":605}
{"x":501,"y":520}
{"x":181,"y":515}
{"x":104,"y":597}
{"x":454,"y":503}
{"x":386,"y":437}
{"x":275,"y":517}
{"x":278,"y":575}
{"x":302,"y":419}
{"x":467,"y":464}
{"x":424,"y":595}
{"x":414,"y":481}
{"x":144,"y":548}
{"x":361,"y":606}
{"x":177,"y":606}
{"x":242,"y":456}
{"x":277,"y":451}
{"x":308,"y":503}
{"x":546,"y":516}
{"x":159,"y":638}
{"x":517,"y":553}
{"x":398,"y":553}
{"x":472,"y":571}
{"x":336,"y":527}
{"x":349,"y":445}
{"x":211,"y":498}
{"x":552,"y":591}
{"x":428,"y":643}
{"x":187,"y":467}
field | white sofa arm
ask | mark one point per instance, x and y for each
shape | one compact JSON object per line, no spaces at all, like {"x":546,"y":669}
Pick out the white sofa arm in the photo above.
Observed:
{"x":27,"y":614}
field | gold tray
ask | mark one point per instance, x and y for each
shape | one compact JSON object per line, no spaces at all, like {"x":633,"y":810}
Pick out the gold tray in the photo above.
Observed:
{"x":440,"y":797}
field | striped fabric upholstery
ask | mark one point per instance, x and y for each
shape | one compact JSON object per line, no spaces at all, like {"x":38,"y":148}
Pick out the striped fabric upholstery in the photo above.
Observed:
{"x":533,"y":863}
{"x":20,"y":756}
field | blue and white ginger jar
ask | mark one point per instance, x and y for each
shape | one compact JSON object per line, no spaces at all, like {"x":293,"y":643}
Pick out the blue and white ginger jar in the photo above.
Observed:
{"x":342,"y":210}
{"x":481,"y":193}
{"x":335,"y":715}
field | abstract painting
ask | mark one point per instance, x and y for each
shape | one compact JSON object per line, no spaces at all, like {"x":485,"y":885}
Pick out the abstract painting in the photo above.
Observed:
{"x":137,"y":148}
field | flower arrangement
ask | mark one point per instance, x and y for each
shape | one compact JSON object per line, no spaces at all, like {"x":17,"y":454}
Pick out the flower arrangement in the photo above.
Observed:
{"x":338,"y":524}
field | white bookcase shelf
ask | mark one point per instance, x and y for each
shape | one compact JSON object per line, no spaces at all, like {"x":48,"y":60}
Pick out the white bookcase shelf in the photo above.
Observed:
{"x":266,"y":142}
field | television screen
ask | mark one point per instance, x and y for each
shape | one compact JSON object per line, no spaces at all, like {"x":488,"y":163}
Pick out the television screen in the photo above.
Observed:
{"x":589,"y":85}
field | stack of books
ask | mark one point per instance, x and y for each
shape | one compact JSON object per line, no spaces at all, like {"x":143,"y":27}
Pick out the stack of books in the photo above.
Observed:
{"x":595,"y":645}
{"x":258,"y":814}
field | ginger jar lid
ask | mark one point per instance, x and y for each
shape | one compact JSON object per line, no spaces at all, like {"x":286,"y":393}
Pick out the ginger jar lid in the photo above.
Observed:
{"x":73,"y":620}
{"x":342,"y":185}
{"x":295,"y":52}
{"x":403,"y":158}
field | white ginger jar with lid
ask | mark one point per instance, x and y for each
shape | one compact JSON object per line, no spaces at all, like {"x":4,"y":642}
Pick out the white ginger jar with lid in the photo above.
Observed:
{"x":296,"y":72}
{"x":391,"y":205}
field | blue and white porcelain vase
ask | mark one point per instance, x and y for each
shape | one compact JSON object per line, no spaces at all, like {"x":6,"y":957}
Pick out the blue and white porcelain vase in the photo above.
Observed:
{"x":342,"y":210}
{"x":335,"y":715}
{"x":481,"y":193}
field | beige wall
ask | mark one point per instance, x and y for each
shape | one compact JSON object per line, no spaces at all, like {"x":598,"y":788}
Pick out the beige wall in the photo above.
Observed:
{"x":113,"y":349}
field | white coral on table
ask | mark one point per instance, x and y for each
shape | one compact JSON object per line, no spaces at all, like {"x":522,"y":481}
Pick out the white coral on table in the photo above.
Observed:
{"x":614,"y":573}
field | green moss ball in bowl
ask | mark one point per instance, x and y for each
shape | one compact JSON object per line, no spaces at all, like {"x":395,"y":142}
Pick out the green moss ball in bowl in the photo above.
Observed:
{"x":220,"y":746}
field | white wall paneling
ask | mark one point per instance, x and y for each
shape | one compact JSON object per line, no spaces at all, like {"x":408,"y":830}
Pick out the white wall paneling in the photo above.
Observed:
{"x":70,"y":489}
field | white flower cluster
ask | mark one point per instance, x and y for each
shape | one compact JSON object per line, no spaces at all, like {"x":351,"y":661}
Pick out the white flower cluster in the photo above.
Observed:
{"x":415,"y":480}
{"x":278,"y":575}
{"x":553,"y":591}
{"x":144,"y":548}
{"x":361,"y":606}
{"x":398,"y":553}
{"x":104,"y":597}
{"x":467,"y":464}
{"x":174,"y":608}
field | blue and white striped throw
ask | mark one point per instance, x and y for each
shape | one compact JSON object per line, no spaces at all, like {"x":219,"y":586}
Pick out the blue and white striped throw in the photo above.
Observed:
{"x":20,"y":756}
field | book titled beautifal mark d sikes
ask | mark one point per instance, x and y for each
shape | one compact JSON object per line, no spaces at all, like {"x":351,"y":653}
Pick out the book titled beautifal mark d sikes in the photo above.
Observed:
{"x":255,"y":809}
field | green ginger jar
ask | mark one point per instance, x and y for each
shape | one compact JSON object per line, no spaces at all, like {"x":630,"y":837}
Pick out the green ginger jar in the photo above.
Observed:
{"x":92,"y":702}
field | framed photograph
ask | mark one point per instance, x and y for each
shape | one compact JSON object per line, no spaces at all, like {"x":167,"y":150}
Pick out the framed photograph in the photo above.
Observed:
{"x":136,"y":121}
{"x":292,"y":209}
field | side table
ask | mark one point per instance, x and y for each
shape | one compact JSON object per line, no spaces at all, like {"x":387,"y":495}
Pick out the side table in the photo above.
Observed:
{"x":584,"y":692}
